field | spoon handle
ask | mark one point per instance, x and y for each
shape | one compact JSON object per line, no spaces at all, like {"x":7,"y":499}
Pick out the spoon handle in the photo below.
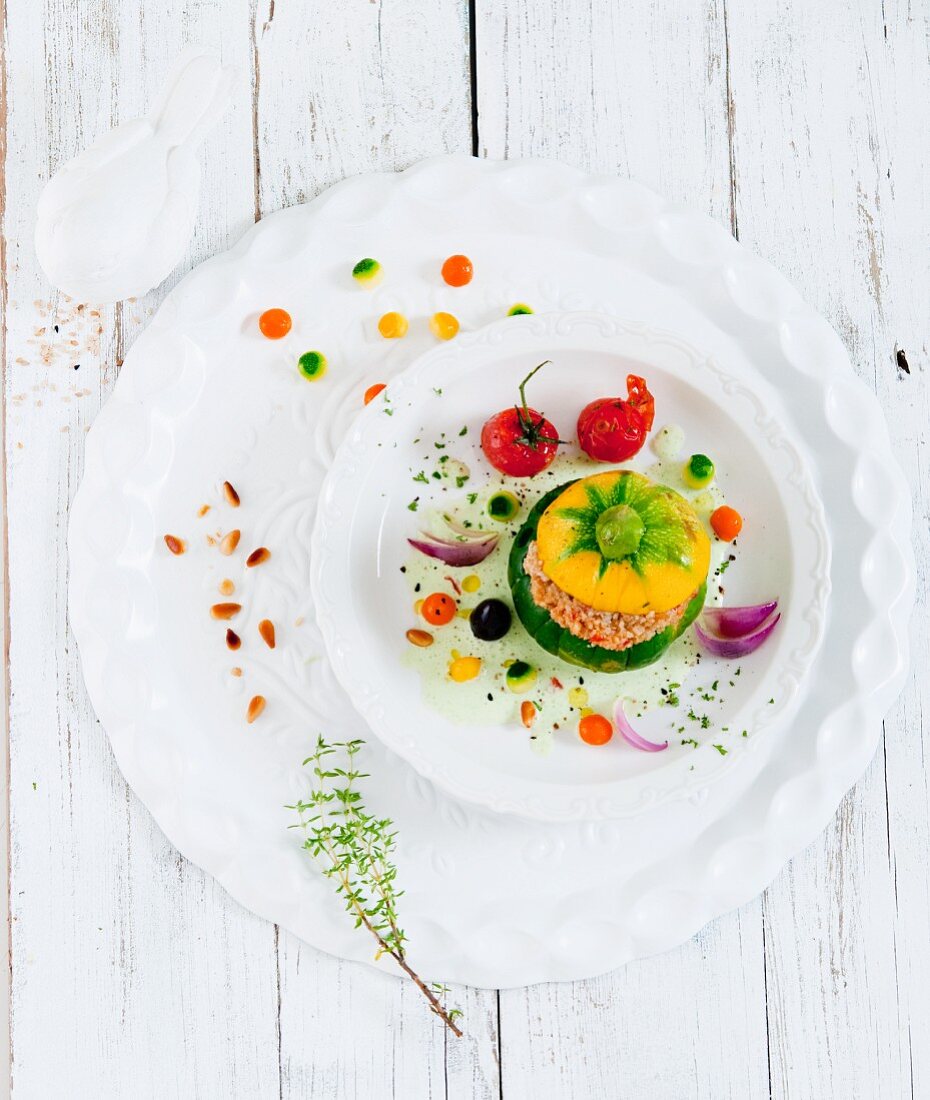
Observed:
{"x":195,"y":95}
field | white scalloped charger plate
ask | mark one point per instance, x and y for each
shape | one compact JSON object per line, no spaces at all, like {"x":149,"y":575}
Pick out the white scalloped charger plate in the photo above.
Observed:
{"x":490,"y":900}
{"x":360,"y":546}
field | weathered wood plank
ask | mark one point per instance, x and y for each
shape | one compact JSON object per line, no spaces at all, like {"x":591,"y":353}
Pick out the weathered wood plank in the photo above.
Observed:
{"x":639,"y":89}
{"x":689,"y":1023}
{"x":345,"y":89}
{"x":828,"y":101}
{"x":138,"y":970}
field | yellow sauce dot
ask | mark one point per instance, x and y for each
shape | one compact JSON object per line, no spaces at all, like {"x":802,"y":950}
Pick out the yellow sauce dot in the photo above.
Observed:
{"x":464,"y":612}
{"x":444,"y":325}
{"x":585,"y":711}
{"x":578,"y":697}
{"x":393,"y":325}
{"x":471,"y":583}
{"x":418,"y":607}
{"x":464,"y":668}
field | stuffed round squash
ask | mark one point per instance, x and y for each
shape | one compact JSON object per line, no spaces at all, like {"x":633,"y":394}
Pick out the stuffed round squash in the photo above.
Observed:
{"x":607,"y":571}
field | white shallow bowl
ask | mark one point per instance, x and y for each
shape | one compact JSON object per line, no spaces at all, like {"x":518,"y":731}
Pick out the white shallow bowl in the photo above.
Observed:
{"x":489,"y":899}
{"x":363,"y":522}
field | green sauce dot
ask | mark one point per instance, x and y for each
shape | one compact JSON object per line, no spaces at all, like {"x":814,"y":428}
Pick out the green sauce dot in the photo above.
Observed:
{"x":312,"y":365}
{"x":520,"y":676}
{"x":698,"y":472}
{"x":366,"y":270}
{"x":519,"y":310}
{"x":503,"y":506}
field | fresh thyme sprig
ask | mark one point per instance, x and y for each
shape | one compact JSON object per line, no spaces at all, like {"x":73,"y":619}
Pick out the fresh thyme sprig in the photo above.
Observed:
{"x":355,"y":850}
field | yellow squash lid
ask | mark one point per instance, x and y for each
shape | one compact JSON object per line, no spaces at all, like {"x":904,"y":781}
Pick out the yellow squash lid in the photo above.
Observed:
{"x":619,"y":542}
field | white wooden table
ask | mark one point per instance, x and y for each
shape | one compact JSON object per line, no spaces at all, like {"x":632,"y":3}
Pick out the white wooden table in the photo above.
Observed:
{"x":803,"y":126}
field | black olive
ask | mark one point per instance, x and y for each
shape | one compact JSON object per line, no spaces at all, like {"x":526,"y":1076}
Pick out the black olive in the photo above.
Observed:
{"x":490,"y":620}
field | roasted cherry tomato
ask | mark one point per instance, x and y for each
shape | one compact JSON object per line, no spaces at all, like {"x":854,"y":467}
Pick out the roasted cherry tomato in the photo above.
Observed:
{"x":641,"y":399}
{"x":439,"y":609}
{"x":520,"y":441}
{"x":613,"y":429}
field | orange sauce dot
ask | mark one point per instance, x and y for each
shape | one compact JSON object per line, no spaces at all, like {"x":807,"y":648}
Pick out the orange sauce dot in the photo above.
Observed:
{"x":444,"y":325}
{"x":275,"y":323}
{"x":595,"y":729}
{"x":458,"y":271}
{"x":727,"y":523}
{"x":393,"y":325}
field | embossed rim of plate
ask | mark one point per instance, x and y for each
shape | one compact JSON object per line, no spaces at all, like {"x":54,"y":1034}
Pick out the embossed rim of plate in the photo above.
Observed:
{"x":403,"y":723}
{"x":690,"y":253}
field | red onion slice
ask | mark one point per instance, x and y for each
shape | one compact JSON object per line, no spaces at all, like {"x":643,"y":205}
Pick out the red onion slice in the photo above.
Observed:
{"x":730,"y":648}
{"x":630,"y":735}
{"x":736,"y":622}
{"x":455,"y":553}
{"x":463,"y":532}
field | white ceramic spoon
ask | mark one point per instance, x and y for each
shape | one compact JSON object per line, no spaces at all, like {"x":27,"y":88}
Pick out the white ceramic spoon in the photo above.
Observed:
{"x":113,"y":222}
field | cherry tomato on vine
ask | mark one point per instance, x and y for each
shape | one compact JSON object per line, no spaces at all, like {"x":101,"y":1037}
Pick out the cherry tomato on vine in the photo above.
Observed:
{"x":613,"y":429}
{"x":520,"y":441}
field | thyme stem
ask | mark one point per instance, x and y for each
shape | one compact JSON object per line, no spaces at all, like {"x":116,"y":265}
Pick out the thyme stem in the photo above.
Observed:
{"x":354,"y":848}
